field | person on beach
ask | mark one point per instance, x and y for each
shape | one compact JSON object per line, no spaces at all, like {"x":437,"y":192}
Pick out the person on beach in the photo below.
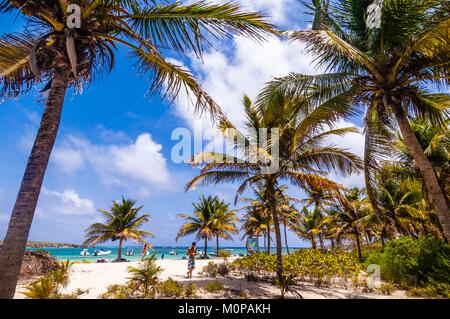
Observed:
{"x":144,"y":251}
{"x":191,"y":252}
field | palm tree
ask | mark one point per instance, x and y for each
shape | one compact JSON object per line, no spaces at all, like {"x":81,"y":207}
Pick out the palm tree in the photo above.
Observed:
{"x":435,"y":140}
{"x":64,"y":54}
{"x":223,"y":222}
{"x":348,"y":214}
{"x":122,"y":222}
{"x":309,"y":225}
{"x":146,"y":276}
{"x":321,"y":197}
{"x":298,"y":130}
{"x":254,"y":225}
{"x":382,"y":56}
{"x":258,"y":205}
{"x":203,"y":221}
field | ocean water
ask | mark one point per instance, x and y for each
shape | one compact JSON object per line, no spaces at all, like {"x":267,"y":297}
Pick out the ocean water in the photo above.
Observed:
{"x":73,"y":254}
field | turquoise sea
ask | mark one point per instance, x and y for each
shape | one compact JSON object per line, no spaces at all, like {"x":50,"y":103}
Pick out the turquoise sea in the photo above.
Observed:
{"x":73,"y":254}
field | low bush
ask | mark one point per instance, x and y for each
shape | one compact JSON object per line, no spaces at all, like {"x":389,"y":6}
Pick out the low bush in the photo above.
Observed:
{"x":304,"y":264}
{"x":214,"y":286}
{"x":170,"y":289}
{"x":190,"y":290}
{"x":223,"y":269}
{"x":210,"y":269}
{"x":118,"y":292}
{"x":421,"y":263}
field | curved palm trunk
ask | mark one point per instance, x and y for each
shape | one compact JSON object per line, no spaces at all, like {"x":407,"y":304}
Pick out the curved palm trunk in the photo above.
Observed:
{"x":206,"y":247}
{"x":429,"y":177}
{"x":13,"y":249}
{"x":119,"y":253}
{"x":257,"y":243}
{"x":285,"y":238}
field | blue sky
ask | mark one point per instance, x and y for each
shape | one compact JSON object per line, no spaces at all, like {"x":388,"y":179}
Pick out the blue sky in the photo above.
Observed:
{"x":114,"y":140}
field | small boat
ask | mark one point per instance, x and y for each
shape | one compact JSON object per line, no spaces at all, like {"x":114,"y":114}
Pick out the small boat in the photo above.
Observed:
{"x":130,"y":252}
{"x":101,"y":252}
{"x":173,"y":253}
{"x":84,"y":252}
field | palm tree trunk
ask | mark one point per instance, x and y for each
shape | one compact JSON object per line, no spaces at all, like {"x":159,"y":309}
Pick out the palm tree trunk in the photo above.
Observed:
{"x":206,"y":247}
{"x":313,"y":243}
{"x":429,"y":177}
{"x":119,"y":253}
{"x":285,"y":238}
{"x":257,"y":243}
{"x":358,"y":244}
{"x":276,"y":224}
{"x":322,"y":246}
{"x":217,"y":245}
{"x":13,"y":249}
{"x":268,"y":236}
{"x":265,"y":246}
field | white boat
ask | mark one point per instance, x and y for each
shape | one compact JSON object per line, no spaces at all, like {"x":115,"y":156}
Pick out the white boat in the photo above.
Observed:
{"x":173,"y":253}
{"x":130,"y":252}
{"x":101,"y":252}
{"x":84,"y":252}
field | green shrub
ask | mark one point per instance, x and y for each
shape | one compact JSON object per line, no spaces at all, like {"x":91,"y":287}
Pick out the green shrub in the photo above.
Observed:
{"x":190,"y":290}
{"x":170,"y":288}
{"x":387,"y":288}
{"x":211,"y":269}
{"x":213,"y":286}
{"x":422,"y":263}
{"x":223,"y":269}
{"x":118,"y":292}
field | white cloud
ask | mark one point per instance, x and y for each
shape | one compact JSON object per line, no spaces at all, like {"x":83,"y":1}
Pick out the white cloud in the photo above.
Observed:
{"x":138,"y":164}
{"x":71,"y":197}
{"x":227,"y":77}
{"x":67,"y":202}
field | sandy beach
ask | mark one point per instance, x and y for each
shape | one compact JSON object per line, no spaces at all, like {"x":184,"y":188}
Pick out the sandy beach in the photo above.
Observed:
{"x":94,"y":278}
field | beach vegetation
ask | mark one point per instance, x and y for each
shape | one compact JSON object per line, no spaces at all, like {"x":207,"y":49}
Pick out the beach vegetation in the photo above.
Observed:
{"x":210,"y":269}
{"x":145,"y":276}
{"x":415,"y":263}
{"x":190,"y":290}
{"x":116,"y":291}
{"x":214,"y":287}
{"x":122,"y":222}
{"x":55,"y":56}
{"x":50,"y":285}
{"x":223,"y":269}
{"x":170,"y":288}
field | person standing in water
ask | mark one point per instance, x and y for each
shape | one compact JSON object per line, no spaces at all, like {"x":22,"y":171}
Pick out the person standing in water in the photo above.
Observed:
{"x":191,"y":252}
{"x":144,"y":251}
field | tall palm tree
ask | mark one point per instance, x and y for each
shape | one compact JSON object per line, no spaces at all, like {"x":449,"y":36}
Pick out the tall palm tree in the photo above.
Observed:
{"x":223,"y":222}
{"x":122,"y":222}
{"x":62,"y":54}
{"x":203,"y":221}
{"x":382,"y":56}
{"x":299,"y":130}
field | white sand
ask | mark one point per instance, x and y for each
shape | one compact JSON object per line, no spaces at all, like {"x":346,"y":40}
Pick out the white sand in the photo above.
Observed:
{"x":95,"y":278}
